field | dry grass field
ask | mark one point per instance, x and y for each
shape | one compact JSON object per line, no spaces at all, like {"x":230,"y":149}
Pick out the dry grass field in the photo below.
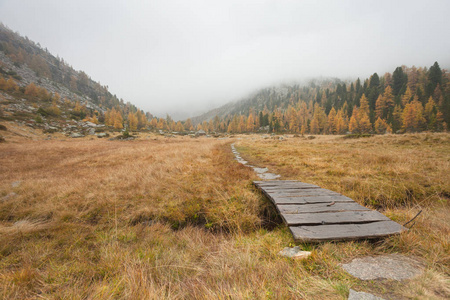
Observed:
{"x":178,"y":218}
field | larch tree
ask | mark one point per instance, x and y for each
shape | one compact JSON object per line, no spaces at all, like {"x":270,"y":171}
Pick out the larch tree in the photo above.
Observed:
{"x":364,"y":104}
{"x":413,"y":119}
{"x":353,"y":125}
{"x":132,"y":121}
{"x":332,"y":128}
{"x":118,"y":120}
{"x":381,"y":126}
{"x":250,"y":123}
{"x":188,"y":125}
{"x":364,"y":124}
{"x":406,"y":98}
{"x":31,"y":91}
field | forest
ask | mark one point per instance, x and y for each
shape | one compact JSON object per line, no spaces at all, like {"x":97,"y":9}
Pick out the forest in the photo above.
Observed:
{"x":408,"y":100}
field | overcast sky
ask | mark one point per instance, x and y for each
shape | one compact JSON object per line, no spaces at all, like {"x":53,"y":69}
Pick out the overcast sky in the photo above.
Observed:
{"x":184,"y":57}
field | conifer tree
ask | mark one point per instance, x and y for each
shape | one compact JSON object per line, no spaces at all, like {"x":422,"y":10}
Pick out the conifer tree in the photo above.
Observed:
{"x":381,"y":126}
{"x":412,"y":116}
{"x":406,"y":98}
{"x":332,"y":126}
{"x":132,"y":121}
{"x":364,"y":104}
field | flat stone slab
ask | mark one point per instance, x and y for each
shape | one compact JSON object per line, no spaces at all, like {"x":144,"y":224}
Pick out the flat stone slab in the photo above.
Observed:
{"x":354,"y":295}
{"x":295,"y":252}
{"x":397,"y":267}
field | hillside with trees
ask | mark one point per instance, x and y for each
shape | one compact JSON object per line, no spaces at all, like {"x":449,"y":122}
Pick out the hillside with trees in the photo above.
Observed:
{"x":408,"y":100}
{"x":41,"y":90}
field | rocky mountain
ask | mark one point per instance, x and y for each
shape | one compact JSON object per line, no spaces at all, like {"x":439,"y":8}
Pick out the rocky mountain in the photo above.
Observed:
{"x":41,"y":90}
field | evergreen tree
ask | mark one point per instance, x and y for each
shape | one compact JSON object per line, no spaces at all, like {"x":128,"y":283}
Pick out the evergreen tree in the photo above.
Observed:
{"x":399,"y":81}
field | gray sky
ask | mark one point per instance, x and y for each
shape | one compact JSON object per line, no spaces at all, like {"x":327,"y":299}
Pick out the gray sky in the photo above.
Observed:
{"x":184,"y":57}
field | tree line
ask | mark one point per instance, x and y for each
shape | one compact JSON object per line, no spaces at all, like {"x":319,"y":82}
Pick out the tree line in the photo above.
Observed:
{"x":408,"y":100}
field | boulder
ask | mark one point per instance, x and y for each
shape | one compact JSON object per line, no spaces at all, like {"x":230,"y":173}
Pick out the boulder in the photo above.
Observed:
{"x":102,"y":135}
{"x":76,"y":135}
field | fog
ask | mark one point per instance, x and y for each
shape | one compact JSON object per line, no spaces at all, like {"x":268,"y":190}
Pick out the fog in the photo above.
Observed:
{"x":185,"y":57}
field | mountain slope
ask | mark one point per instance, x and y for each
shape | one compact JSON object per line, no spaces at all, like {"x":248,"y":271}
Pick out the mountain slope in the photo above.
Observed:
{"x":42,"y":90}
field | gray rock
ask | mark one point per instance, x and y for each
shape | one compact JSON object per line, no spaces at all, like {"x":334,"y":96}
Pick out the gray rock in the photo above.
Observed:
{"x":354,"y":295}
{"x":260,"y":170}
{"x":91,"y":131}
{"x":16,"y":183}
{"x":9,"y":196}
{"x":269,"y":176}
{"x":76,"y":135}
{"x":294,"y":252}
{"x":397,"y":267}
{"x":90,"y":124}
{"x":102,"y":135}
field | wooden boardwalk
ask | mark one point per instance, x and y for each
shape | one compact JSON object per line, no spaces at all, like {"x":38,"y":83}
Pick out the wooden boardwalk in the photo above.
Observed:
{"x":314,"y":214}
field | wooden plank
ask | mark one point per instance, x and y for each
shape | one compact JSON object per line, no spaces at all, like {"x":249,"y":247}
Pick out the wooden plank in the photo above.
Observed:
{"x":278,"y":181}
{"x":283,"y":183}
{"x":311,"y":199}
{"x":302,"y":193}
{"x":345,"y":231}
{"x":290,"y":188}
{"x":344,"y":217}
{"x":314,"y":214}
{"x":320,"y":207}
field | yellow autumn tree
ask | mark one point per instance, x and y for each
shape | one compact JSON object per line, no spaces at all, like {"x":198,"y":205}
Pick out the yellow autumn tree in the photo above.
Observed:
{"x":31,"y":91}
{"x":413,"y":119}
{"x":11,"y":85}
{"x":142,"y":119}
{"x":353,"y":125}
{"x":331,"y":125}
{"x":381,"y":126}
{"x":132,"y":121}
{"x":406,"y":98}
{"x":117,"y":119}
{"x":154,"y":123}
{"x":364,"y":105}
{"x":364,"y":124}
{"x":250,"y":123}
{"x":188,"y":125}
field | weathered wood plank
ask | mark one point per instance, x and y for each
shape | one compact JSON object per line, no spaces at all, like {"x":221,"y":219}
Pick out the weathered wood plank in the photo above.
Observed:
{"x":281,"y":182}
{"x":307,"y":200}
{"x":345,"y":231}
{"x":344,"y":217}
{"x":278,"y":181}
{"x":320,"y":207}
{"x":289,"y":189}
{"x":288,"y":186}
{"x":315,"y":214}
{"x":303,"y":195}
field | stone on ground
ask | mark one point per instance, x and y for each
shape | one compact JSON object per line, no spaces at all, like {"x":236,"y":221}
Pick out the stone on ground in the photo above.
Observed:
{"x":295,"y":252}
{"x":354,"y":295}
{"x":397,"y":267}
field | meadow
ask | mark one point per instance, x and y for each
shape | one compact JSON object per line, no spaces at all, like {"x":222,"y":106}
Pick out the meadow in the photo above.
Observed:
{"x":178,"y":218}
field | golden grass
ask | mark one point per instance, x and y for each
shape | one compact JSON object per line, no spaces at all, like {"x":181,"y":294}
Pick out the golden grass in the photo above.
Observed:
{"x":178,"y":219}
